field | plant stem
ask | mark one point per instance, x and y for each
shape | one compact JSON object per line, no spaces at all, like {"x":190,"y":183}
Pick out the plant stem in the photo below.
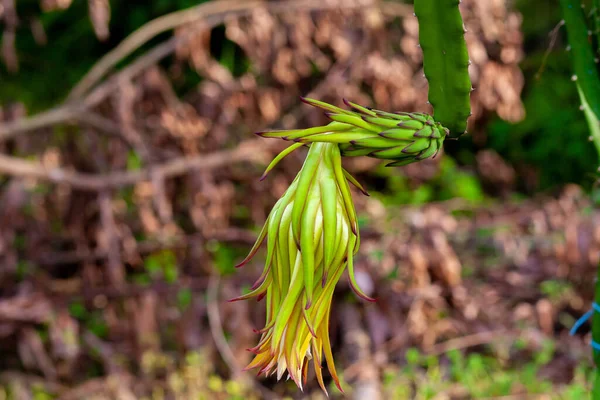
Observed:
{"x":596,"y":338}
{"x":594,"y":125}
{"x":588,"y":87}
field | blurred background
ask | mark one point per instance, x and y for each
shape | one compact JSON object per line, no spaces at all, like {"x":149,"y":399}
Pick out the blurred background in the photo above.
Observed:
{"x":129,"y":190}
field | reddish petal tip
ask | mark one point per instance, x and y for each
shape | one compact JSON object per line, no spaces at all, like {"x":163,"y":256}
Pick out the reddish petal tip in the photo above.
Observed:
{"x":362,"y":295}
{"x":308,"y":305}
{"x":262,"y":178}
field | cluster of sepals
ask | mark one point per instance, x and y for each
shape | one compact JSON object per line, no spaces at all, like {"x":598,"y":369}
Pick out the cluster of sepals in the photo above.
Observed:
{"x":312,"y":236}
{"x":402,"y":138}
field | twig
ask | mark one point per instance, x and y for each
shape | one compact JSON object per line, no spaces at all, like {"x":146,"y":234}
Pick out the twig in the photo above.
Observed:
{"x":553,"y":38}
{"x":42,"y":120}
{"x":116,"y":272}
{"x":246,"y":151}
{"x":216,"y":329}
{"x":216,"y":326}
{"x":467,"y":341}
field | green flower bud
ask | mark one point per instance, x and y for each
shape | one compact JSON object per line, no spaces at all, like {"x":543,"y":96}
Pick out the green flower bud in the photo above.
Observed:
{"x":402,"y":138}
{"x":312,"y":236}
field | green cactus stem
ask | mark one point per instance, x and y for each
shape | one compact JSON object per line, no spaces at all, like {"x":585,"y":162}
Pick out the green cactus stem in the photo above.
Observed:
{"x":445,"y":62}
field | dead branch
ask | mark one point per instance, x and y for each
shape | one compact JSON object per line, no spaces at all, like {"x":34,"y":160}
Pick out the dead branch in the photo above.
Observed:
{"x":216,"y":327}
{"x":116,"y":270}
{"x":247,"y":151}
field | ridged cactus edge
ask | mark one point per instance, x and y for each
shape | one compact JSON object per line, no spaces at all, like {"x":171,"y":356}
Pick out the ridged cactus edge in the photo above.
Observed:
{"x":445,"y":62}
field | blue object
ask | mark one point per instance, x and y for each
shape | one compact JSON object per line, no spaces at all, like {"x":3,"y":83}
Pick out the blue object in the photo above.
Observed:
{"x":584,"y":318}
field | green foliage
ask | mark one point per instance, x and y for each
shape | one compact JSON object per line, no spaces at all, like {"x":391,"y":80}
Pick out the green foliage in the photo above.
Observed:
{"x":92,"y":320}
{"x":184,"y":298}
{"x":556,"y":290}
{"x":449,"y":183}
{"x":478,"y":376}
{"x":445,"y":62}
{"x":162,"y":264}
{"x":551,"y":131}
{"x":224,"y":257}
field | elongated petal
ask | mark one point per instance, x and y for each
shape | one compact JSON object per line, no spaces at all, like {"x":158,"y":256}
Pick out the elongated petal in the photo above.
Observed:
{"x":417,"y":146}
{"x":390,"y":153}
{"x":344,"y":137}
{"x":378,"y":142}
{"x":431,"y":151}
{"x":383,"y":122}
{"x":353,"y":180}
{"x":280,"y":157}
{"x":353,"y":120}
{"x":344,"y":189}
{"x":352,"y":277}
{"x":405,"y":134}
{"x":256,"y":292}
{"x":401,"y":163}
{"x":261,"y":238}
{"x":425,"y":132}
{"x":352,"y":151}
{"x":325,"y":106}
{"x":297,"y":133}
{"x":305,"y":182}
{"x":329,"y":211}
{"x":329,"y":354}
{"x":360,"y":108}
{"x":307,"y":247}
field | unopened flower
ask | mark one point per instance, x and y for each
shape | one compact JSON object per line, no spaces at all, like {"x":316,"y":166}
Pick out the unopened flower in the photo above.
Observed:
{"x":312,"y":236}
{"x":402,"y":138}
